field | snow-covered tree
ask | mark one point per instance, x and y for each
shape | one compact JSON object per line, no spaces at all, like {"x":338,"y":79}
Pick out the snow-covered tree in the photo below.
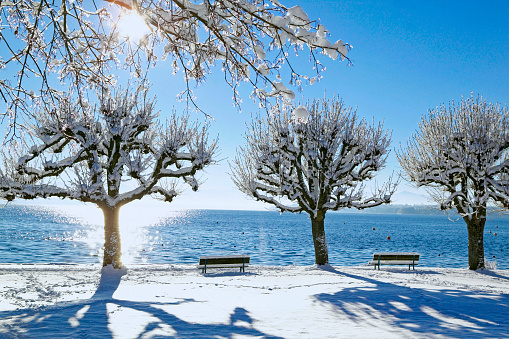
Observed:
{"x":109,"y":154}
{"x":460,"y":153}
{"x":46,"y":43}
{"x":313,"y":160}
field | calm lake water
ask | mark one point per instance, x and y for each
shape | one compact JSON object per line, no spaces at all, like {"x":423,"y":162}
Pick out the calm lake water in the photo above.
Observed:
{"x":36,"y":234}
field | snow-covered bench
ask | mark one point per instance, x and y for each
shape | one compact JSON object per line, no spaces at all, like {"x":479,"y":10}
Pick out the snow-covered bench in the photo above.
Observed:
{"x":223,"y":261}
{"x":397,"y":258}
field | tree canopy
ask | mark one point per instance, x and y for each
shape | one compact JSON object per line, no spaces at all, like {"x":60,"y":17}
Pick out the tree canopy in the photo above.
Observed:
{"x":318,"y":163}
{"x":461,"y":154}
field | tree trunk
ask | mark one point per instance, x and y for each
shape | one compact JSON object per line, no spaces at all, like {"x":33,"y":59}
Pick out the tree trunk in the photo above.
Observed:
{"x":112,"y":248}
{"x":476,"y":242}
{"x":321,"y":252}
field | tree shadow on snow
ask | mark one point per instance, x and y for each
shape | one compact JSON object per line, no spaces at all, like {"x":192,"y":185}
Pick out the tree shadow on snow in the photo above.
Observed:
{"x":443,"y":312}
{"x":492,"y":274}
{"x":89,"y":318}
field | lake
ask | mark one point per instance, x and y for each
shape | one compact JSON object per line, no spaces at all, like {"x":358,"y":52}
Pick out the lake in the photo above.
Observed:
{"x":74,"y":234}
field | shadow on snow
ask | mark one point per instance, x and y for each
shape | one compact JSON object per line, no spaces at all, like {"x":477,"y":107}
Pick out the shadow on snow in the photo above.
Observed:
{"x":89,"y":318}
{"x":492,"y":274}
{"x":442,"y":312}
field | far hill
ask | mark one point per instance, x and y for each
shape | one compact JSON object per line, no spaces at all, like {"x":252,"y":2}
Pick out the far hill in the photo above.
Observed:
{"x":416,"y":210}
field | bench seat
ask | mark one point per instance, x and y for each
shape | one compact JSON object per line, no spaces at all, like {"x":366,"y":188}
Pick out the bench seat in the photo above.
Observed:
{"x":393,"y":262}
{"x":395,"y":258}
{"x":223,"y":261}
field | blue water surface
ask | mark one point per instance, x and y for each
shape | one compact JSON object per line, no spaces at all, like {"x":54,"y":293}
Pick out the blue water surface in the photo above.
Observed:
{"x":35,"y":234}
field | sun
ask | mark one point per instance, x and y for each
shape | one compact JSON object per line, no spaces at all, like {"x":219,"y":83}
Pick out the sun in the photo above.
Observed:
{"x":132,"y":26}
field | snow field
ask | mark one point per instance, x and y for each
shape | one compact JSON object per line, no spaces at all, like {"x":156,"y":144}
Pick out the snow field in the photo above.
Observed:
{"x":69,"y":301}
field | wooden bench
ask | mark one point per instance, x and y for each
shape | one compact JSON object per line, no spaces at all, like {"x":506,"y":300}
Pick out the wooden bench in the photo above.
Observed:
{"x":398,"y":258}
{"x":223,"y":261}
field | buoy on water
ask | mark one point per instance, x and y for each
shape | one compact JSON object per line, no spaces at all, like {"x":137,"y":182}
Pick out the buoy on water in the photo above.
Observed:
{"x":373,"y":228}
{"x":495,"y":234}
{"x":388,"y":238}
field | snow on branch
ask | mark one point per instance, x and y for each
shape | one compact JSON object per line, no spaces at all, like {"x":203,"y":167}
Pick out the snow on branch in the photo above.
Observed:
{"x":86,"y":151}
{"x":462,"y":150}
{"x":48,"y":44}
{"x":316,"y":165}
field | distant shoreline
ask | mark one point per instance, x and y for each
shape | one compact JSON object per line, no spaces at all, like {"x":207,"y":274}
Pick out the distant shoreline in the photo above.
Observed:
{"x":418,"y":210}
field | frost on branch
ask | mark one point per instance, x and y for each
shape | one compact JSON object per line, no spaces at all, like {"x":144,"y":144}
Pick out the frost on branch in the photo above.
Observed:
{"x":79,"y":42}
{"x":314,"y":164}
{"x":85,"y":151}
{"x":461,"y":154}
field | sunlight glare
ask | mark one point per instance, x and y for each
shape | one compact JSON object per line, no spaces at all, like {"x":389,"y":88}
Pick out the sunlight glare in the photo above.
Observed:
{"x":139,"y":224}
{"x":132,"y":26}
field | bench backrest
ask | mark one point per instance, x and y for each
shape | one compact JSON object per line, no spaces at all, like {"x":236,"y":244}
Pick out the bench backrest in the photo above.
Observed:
{"x":396,"y":256}
{"x":234,"y":259}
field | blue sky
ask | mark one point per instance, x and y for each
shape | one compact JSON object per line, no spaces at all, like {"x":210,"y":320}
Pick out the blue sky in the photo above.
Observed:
{"x":408,"y":56}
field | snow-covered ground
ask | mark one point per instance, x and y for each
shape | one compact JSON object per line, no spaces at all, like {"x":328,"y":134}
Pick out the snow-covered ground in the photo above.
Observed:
{"x":77,"y":301}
